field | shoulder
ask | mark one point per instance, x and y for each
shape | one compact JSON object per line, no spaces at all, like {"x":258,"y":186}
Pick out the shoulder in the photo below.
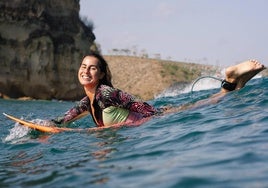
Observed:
{"x":85,"y":100}
{"x":83,"y":103}
{"x":105,"y":91}
{"x":105,"y":87}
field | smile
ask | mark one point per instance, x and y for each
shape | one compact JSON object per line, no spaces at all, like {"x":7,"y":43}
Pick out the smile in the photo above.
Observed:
{"x":85,"y":76}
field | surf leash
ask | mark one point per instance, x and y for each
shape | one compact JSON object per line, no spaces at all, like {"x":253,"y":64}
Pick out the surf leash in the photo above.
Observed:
{"x":202,"y":77}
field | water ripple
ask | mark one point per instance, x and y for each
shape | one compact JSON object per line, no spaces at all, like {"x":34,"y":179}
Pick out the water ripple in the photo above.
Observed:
{"x":219,"y":145}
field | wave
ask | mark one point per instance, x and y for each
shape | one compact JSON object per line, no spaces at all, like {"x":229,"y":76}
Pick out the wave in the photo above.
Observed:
{"x":202,"y":83}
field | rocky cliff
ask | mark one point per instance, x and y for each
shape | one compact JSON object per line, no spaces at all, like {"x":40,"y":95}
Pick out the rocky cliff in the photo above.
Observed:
{"x":42,"y":43}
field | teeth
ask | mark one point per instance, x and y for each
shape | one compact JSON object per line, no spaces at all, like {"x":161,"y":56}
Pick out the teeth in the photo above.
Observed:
{"x":85,"y":76}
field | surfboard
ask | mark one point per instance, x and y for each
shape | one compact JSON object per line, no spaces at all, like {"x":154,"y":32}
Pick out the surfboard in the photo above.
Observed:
{"x":42,"y":128}
{"x":54,"y":129}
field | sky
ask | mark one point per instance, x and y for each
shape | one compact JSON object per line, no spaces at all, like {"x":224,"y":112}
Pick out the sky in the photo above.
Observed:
{"x":217,"y":32}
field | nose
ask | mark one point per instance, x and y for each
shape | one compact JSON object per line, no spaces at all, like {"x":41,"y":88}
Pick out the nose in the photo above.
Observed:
{"x":87,"y":69}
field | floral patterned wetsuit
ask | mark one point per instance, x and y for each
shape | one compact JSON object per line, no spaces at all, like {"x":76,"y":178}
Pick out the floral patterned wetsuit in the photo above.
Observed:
{"x":117,"y":105}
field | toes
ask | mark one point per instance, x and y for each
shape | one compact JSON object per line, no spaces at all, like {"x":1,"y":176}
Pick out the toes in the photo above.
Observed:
{"x":257,"y":63}
{"x":254,"y":61}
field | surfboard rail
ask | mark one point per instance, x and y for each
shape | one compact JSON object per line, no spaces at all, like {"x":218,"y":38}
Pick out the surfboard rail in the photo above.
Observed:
{"x":50,"y":129}
{"x":54,"y":129}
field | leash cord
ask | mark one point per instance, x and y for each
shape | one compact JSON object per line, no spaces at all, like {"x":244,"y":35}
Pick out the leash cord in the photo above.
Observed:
{"x":202,"y":77}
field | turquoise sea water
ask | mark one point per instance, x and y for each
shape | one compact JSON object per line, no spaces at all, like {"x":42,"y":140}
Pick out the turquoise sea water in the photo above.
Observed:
{"x":219,"y":145}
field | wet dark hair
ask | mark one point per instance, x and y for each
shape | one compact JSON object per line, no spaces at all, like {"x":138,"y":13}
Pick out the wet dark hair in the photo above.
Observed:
{"x":107,"y":79}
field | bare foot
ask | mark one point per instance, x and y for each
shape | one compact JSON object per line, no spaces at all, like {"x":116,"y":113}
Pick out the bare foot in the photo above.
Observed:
{"x":243,"y":72}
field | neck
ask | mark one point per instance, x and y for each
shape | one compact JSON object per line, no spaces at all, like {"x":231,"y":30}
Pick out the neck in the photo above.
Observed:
{"x":90,"y":91}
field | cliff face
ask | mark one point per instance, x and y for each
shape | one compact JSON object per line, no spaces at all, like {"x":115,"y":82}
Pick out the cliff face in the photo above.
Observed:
{"x":42,"y":43}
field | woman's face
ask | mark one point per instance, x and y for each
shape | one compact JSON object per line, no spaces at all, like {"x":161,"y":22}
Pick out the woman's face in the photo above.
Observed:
{"x":89,"y":72}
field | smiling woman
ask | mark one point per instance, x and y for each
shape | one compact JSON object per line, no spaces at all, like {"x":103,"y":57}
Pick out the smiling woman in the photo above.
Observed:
{"x":106,"y":104}
{"x":110,"y":106}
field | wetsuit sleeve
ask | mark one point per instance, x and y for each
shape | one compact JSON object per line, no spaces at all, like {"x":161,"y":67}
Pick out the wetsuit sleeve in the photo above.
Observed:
{"x":118,"y":98}
{"x":80,"y":109}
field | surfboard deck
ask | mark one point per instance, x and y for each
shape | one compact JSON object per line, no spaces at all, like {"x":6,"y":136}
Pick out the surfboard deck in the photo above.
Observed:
{"x":42,"y":128}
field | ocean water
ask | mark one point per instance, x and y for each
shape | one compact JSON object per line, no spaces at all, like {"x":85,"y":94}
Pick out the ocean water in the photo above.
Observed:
{"x":219,"y":145}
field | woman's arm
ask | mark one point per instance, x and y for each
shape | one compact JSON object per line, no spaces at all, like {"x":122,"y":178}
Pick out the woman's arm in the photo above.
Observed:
{"x":78,"y":111}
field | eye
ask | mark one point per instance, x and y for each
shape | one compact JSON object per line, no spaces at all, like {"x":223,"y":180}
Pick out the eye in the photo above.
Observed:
{"x":93,"y":67}
{"x":83,"y":66}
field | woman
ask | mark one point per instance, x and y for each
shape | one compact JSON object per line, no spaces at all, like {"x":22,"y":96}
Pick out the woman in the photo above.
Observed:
{"x":106,"y":104}
{"x":109,"y":106}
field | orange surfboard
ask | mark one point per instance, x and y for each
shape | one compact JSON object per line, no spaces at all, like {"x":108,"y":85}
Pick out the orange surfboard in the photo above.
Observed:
{"x":54,"y":129}
{"x":42,"y":128}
